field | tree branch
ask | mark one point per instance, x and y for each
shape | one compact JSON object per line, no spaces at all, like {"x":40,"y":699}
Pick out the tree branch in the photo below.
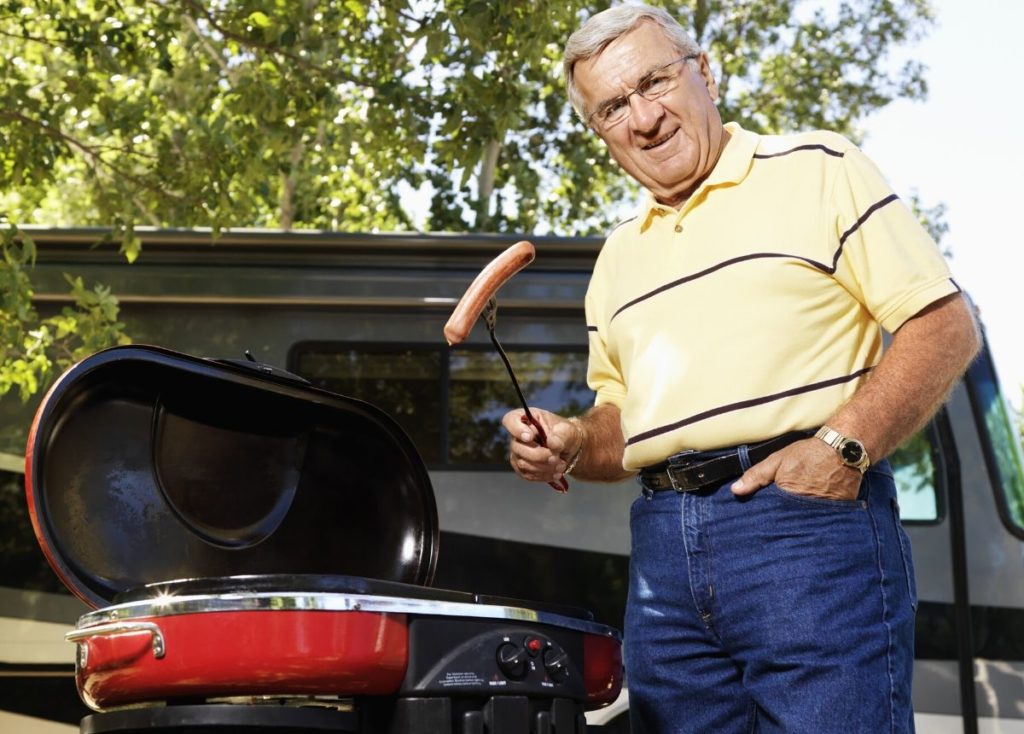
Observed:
{"x":34,"y":39}
{"x":153,"y":220}
{"x":485,"y":182}
{"x":252,"y":43}
{"x":289,"y":184}
{"x":205,"y":43}
{"x":89,"y":151}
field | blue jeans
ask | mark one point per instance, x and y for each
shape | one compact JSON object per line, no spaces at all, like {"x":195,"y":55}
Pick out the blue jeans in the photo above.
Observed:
{"x":771,"y":613}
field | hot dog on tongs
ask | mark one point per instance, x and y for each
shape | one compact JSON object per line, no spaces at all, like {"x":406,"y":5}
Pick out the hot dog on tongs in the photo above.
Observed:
{"x":479,"y":299}
{"x":484,"y":287}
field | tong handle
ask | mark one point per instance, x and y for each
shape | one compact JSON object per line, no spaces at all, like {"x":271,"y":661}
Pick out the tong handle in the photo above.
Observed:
{"x":479,"y":300}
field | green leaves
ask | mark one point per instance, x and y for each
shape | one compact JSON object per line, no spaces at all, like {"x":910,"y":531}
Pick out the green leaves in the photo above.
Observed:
{"x":259,"y":19}
{"x":356,"y":8}
{"x":785,"y":68}
{"x":201,"y":115}
{"x":33,"y":350}
{"x":246,"y":113}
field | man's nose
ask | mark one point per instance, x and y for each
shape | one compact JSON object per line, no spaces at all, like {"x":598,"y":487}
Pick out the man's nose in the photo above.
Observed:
{"x":644,"y":115}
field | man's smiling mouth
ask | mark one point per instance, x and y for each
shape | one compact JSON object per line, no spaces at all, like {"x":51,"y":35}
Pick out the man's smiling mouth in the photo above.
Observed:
{"x":660,"y":140}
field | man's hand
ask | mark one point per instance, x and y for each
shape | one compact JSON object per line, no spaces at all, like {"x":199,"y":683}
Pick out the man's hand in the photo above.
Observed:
{"x":538,"y":463}
{"x":926,"y":357}
{"x":598,"y":433}
{"x":809,"y":467}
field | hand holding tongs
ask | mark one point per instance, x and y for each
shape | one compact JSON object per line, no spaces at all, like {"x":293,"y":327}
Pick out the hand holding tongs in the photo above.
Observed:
{"x":479,"y":298}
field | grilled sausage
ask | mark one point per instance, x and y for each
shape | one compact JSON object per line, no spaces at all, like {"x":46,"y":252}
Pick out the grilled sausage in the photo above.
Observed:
{"x":483,"y":287}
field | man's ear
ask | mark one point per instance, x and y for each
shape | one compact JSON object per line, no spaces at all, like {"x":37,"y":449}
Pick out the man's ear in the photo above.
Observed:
{"x":709,"y":77}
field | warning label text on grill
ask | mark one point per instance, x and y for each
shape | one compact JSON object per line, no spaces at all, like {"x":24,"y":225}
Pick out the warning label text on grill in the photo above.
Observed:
{"x":461,"y":678}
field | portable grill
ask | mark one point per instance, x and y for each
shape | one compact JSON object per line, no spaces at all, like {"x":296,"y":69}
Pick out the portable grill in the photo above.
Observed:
{"x":258,"y":553}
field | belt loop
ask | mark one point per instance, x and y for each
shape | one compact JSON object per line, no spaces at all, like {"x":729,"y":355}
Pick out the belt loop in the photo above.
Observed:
{"x":646,"y":491}
{"x":744,"y":456}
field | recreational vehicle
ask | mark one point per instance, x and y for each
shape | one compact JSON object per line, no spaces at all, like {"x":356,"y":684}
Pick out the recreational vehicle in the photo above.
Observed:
{"x":362,"y":315}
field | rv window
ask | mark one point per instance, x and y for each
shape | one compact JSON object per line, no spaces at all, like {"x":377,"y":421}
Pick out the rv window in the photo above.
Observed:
{"x":1001,"y":441}
{"x":403,"y":382}
{"x":448,"y":398}
{"x":1006,"y":445}
{"x":914,"y":470}
{"x":22,"y":564}
{"x":481,"y":393}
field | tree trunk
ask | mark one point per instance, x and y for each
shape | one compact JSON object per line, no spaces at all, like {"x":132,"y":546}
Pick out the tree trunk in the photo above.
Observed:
{"x":488,"y":169}
{"x":289,"y":182}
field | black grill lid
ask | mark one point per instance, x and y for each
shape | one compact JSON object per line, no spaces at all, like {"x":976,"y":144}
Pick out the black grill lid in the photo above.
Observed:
{"x":146,"y":465}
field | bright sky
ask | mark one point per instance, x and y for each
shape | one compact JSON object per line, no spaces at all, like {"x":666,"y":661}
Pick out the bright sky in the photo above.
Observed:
{"x":960,"y":147}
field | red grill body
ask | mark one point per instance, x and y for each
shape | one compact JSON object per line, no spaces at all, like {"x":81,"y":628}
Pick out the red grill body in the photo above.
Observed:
{"x":254,"y":546}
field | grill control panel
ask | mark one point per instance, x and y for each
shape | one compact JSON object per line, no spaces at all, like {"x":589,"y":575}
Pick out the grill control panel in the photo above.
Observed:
{"x":472,"y":657}
{"x":519,"y":656}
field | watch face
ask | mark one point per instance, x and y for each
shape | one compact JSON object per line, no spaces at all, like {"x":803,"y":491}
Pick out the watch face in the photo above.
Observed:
{"x":851,"y":451}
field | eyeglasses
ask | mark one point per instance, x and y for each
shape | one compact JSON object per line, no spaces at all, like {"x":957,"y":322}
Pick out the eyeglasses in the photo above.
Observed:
{"x":655,"y":85}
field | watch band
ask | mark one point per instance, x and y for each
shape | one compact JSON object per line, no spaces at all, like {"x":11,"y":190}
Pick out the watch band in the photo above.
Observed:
{"x":851,"y":451}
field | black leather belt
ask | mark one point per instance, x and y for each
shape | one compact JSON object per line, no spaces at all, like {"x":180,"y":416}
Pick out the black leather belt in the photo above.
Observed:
{"x":682,"y":475}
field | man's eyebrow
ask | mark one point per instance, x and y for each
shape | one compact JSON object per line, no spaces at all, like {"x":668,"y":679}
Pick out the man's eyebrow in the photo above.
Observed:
{"x":639,"y":81}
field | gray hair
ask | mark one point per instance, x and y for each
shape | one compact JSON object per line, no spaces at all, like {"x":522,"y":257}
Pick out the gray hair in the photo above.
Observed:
{"x":599,"y":30}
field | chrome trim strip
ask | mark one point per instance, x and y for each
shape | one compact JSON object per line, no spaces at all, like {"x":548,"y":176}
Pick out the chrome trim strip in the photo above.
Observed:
{"x":357,"y":302}
{"x":227,"y":241}
{"x":165,"y":606}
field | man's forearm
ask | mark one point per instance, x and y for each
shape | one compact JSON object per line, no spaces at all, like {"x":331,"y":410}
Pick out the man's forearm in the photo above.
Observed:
{"x":603,"y":446}
{"x":926,"y":357}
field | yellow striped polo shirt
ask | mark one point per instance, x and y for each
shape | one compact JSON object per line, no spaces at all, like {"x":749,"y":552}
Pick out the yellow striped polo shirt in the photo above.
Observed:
{"x":755,"y":308}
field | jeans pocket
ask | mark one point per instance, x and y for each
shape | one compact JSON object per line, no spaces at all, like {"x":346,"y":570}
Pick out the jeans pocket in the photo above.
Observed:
{"x":905,"y":554}
{"x":807,"y":500}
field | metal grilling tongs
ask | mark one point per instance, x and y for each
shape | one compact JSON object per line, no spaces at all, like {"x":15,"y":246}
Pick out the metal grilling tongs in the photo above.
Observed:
{"x":479,"y":299}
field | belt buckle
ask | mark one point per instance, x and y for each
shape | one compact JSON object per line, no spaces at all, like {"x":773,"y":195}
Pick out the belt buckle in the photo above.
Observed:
{"x":670,"y":471}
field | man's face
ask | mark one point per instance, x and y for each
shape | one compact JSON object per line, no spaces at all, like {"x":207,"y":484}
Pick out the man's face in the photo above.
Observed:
{"x":670,"y":144}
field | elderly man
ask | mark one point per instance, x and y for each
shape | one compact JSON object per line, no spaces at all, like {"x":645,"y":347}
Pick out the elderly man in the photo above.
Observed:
{"x":736,"y":353}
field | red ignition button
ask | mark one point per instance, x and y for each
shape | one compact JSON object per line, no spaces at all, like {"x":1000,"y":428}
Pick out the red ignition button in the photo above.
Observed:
{"x":534,"y":645}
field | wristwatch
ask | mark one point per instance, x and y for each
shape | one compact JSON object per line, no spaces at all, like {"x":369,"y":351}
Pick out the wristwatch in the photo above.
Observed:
{"x":851,"y":451}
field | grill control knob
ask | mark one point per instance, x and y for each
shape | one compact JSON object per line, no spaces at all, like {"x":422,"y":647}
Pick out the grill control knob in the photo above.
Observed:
{"x":556,"y":663}
{"x":512,"y":660}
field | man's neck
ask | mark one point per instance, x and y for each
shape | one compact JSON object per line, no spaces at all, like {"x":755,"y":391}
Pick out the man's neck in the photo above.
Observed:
{"x":679,"y":201}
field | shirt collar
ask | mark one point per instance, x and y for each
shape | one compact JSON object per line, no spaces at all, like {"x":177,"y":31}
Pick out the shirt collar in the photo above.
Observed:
{"x":732,"y":167}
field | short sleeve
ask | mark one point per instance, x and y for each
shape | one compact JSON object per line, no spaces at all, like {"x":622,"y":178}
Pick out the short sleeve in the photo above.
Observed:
{"x":884,"y":257}
{"x":603,"y":374}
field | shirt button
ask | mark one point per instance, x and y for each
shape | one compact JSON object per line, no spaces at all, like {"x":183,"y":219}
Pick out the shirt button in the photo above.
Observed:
{"x":679,"y":228}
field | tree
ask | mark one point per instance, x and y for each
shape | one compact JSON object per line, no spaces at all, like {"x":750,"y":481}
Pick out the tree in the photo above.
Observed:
{"x":29,"y":346}
{"x":779,"y":68}
{"x":326,"y":114}
{"x":1018,"y":418}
